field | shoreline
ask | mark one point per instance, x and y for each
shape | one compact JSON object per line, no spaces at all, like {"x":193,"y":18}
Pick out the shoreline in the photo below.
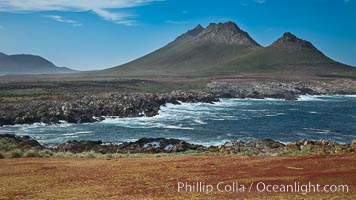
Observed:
{"x":99,"y":119}
{"x":78,"y":109}
{"x":267,"y":147}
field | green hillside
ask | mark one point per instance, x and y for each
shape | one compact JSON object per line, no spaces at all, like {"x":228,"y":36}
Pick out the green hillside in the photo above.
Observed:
{"x":225,"y":49}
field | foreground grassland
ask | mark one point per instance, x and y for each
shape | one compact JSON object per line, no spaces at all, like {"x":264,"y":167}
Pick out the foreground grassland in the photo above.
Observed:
{"x":148,"y":177}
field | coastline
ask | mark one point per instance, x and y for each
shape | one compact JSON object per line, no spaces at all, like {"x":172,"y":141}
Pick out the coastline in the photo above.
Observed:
{"x":188,"y":121}
{"x":256,"y":147}
{"x":91,"y":108}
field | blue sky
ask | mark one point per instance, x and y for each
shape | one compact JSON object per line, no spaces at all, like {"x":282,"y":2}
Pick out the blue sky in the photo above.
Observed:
{"x":97,"y":34}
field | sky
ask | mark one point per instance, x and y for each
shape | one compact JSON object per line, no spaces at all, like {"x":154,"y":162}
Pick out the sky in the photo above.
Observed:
{"x":98,"y":34}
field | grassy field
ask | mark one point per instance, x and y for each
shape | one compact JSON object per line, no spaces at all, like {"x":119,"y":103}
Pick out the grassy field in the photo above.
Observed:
{"x":158,"y":178}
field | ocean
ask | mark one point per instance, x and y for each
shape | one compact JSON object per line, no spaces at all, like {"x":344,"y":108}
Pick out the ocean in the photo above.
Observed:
{"x":310,"y":117}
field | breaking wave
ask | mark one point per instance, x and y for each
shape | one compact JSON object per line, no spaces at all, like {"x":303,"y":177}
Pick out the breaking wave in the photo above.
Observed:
{"x":329,"y":117}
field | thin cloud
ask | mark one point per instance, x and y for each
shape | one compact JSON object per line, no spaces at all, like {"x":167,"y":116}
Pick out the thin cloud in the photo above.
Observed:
{"x":119,"y":18}
{"x":249,"y":2}
{"x":100,"y":7}
{"x":63,"y":20}
{"x":260,"y":1}
{"x":175,"y":22}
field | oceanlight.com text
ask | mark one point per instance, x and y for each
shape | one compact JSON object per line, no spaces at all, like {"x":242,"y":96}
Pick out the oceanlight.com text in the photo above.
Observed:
{"x":259,"y":187}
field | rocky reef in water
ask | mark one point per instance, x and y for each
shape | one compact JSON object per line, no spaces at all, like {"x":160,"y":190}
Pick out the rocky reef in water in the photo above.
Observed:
{"x":94,"y":108}
{"x":162,"y":145}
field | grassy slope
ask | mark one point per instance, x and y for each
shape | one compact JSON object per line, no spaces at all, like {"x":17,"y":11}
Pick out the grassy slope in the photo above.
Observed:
{"x":271,"y":60}
{"x":209,"y":61}
{"x":180,"y":59}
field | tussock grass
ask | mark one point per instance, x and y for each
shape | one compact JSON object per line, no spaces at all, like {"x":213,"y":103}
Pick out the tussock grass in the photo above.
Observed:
{"x":31,"y":153}
{"x":45,"y":153}
{"x":17,"y":153}
{"x":6,"y":146}
{"x":63,"y":155}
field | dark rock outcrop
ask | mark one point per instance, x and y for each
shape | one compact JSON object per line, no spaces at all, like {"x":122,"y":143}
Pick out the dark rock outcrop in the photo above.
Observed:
{"x":94,"y":108}
{"x":74,"y":146}
{"x":280,"y":90}
{"x":143,"y":145}
{"x":162,"y":145}
{"x":261,"y":146}
{"x":158,"y":145}
{"x":319,"y":146}
{"x":268,"y":146}
{"x":22,"y":142}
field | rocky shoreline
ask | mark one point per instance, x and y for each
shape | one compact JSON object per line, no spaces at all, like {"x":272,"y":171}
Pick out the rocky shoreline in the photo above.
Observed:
{"x":162,"y":145}
{"x":93,"y":108}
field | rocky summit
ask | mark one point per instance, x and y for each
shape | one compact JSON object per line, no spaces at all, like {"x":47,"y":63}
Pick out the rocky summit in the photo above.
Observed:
{"x":226,"y":33}
{"x":292,"y":43}
{"x":218,"y":33}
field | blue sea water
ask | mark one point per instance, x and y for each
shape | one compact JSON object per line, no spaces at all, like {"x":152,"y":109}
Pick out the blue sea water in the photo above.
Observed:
{"x":311,"y":117}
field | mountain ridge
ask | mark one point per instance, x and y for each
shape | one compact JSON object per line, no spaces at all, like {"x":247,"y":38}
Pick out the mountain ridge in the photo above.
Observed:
{"x":225,"y":49}
{"x":197,"y":49}
{"x":190,"y":33}
{"x":29,"y":64}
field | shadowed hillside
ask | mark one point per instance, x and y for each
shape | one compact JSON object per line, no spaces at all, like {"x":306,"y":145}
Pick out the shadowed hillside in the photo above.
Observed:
{"x":196,"y":50}
{"x":225,"y":49}
{"x":287,"y":54}
{"x":29,"y":64}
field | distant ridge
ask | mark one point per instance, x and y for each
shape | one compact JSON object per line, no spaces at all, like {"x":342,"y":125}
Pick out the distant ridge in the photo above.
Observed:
{"x":225,"y":49}
{"x":29,"y":64}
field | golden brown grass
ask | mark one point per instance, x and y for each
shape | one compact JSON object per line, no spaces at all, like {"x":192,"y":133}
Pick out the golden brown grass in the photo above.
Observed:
{"x":146,"y":178}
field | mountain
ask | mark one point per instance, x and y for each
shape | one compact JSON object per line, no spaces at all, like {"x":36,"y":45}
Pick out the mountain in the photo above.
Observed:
{"x":29,"y":64}
{"x":288,"y":54}
{"x":197,"y":49}
{"x":225,"y":49}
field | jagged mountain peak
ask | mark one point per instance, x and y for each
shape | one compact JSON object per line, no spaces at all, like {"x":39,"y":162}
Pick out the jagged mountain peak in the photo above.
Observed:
{"x":220,"y":33}
{"x":224,"y":27}
{"x":199,"y":28}
{"x":292,"y":42}
{"x":227,"y":33}
{"x":191,"y":33}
